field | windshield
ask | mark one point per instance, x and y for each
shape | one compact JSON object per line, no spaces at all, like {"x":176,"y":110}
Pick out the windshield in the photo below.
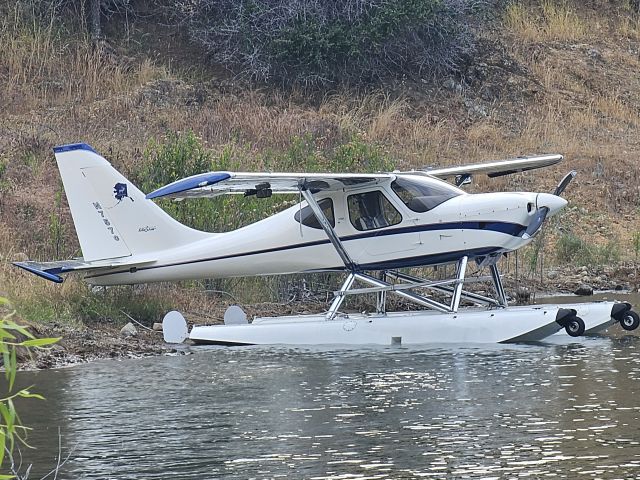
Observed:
{"x":306,"y":216}
{"x":423,"y":194}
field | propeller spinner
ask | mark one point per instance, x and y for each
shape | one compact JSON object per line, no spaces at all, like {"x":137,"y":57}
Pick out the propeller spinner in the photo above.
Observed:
{"x":548,"y":203}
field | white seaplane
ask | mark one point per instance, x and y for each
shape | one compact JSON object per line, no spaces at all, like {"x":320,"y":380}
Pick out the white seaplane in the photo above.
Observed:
{"x":369,"y":226}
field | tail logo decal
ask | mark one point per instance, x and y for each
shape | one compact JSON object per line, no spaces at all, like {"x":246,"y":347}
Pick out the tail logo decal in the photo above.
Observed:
{"x":120,"y":192}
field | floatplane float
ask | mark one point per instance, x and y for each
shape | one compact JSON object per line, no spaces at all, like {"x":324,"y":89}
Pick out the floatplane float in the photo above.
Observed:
{"x":369,"y":226}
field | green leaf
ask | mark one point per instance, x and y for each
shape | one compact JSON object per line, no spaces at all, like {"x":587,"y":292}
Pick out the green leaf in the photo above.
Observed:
{"x":4,"y":412}
{"x":3,"y":441}
{"x":12,"y":369}
{"x":40,"y":342}
{"x":11,"y":409}
{"x":27,"y":394}
{"x":5,"y":360}
{"x":21,"y":330}
{"x":5,"y":334}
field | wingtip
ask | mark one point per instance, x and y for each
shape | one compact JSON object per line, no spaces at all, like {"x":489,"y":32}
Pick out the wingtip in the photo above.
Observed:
{"x":189,"y":183}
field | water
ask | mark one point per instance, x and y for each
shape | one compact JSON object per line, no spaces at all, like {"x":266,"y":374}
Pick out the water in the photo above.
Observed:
{"x":567,"y":410}
{"x":632,"y":298}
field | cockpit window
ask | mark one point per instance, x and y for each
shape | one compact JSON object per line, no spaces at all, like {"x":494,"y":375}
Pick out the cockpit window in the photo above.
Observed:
{"x":422,"y":196}
{"x":308,"y":218}
{"x":371,"y":210}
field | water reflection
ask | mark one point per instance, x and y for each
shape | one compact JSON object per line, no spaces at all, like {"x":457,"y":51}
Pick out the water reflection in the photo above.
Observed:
{"x":389,"y":412}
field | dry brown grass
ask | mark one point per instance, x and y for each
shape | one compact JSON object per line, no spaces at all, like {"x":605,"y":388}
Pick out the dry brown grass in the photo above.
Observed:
{"x":59,"y":92}
{"x":377,"y":115}
{"x":550,"y":21}
{"x":629,"y":26}
{"x":43,"y":66}
{"x":613,"y":108}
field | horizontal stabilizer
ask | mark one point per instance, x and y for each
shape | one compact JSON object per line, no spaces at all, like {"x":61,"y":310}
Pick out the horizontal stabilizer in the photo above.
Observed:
{"x":52,"y":270}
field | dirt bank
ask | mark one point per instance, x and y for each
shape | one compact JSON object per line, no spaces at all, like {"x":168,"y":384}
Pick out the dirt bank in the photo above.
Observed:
{"x":85,"y":343}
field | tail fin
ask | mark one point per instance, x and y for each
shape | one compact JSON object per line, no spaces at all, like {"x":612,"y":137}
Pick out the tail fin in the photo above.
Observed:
{"x":112,"y":217}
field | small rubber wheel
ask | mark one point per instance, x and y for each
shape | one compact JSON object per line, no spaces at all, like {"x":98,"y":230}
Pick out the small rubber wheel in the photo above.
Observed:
{"x":630,"y":321}
{"x":574,"y":326}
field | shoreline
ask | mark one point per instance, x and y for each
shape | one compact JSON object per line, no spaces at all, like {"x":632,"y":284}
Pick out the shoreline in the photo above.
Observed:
{"x":100,"y":341}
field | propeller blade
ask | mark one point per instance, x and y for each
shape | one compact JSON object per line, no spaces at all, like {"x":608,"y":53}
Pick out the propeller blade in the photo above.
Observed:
{"x":564,"y":182}
{"x":536,"y":223}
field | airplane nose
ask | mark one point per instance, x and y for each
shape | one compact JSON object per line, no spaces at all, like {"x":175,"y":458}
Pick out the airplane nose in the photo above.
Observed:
{"x":553,"y":202}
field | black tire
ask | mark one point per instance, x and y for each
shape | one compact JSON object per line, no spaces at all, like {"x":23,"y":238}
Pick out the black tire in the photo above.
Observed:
{"x":630,"y":320}
{"x":574,"y":326}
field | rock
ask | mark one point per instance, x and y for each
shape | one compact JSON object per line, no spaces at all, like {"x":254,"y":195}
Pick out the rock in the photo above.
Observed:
{"x":584,"y":290}
{"x":452,"y":85}
{"x":475,"y":109}
{"x":129,"y":330}
{"x":157,"y":327}
{"x":523,"y":294}
{"x":479,"y":111}
{"x":594,"y":54}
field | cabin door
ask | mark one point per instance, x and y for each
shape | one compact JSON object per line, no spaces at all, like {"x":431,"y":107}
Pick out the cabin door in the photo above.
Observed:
{"x":380,"y":226}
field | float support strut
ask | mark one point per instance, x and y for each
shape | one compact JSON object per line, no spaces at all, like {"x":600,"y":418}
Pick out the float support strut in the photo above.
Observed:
{"x":457,"y":290}
{"x":497,"y":282}
{"x":335,"y":305}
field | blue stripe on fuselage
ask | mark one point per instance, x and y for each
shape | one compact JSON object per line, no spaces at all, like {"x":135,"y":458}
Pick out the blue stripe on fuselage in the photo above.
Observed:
{"x":513,"y":229}
{"x":433,"y":259}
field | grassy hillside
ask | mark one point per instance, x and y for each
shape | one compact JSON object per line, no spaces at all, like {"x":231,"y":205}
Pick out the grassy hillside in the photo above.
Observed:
{"x":546,"y":76}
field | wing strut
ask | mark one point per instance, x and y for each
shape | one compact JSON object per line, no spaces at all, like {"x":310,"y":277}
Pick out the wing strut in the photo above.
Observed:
{"x":326,"y":226}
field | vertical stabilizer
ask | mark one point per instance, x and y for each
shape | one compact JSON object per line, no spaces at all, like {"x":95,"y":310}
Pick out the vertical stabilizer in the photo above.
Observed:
{"x":112,"y":217}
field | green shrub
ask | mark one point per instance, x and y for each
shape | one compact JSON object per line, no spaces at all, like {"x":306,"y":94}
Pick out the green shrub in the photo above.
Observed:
{"x":570,"y":248}
{"x":175,"y":157}
{"x":358,"y":156}
{"x":144,"y":304}
{"x":306,"y":42}
{"x":575,"y":250}
{"x":182,"y":155}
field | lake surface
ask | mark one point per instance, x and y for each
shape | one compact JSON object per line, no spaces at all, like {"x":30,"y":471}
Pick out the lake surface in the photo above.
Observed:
{"x":564,"y":410}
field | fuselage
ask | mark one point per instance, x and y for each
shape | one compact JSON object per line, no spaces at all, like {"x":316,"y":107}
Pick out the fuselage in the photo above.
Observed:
{"x":413,"y":220}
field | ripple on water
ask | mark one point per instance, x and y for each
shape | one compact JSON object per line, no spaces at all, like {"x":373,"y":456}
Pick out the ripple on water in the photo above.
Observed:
{"x":430,"y":412}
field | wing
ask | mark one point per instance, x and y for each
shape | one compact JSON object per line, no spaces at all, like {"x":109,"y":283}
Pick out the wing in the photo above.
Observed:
{"x":497,"y":168}
{"x":212,"y":184}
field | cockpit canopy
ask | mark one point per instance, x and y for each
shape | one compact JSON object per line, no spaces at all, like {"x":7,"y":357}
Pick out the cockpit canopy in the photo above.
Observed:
{"x":372,"y":209}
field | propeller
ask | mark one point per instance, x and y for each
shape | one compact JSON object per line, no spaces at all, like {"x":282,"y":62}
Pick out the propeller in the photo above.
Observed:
{"x":542,"y":212}
{"x":564,"y":182}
